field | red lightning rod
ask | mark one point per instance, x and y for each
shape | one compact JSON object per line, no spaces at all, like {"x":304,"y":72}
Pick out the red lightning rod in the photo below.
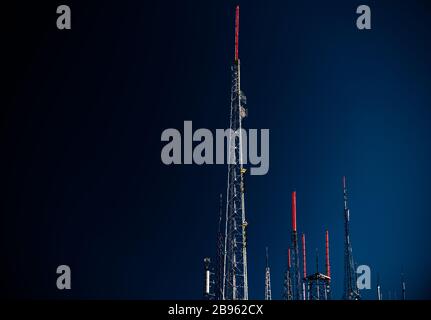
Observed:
{"x":304,"y":256}
{"x":328,"y":266}
{"x":236,"y":32}
{"x":294,"y":211}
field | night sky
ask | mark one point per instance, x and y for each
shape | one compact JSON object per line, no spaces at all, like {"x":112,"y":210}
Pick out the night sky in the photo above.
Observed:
{"x":82,"y":112}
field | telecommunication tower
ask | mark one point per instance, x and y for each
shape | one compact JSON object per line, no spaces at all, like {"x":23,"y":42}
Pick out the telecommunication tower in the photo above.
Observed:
{"x":351,"y":291}
{"x":304,"y":269}
{"x":235,"y":285}
{"x":287,"y":290}
{"x":317,"y":284}
{"x":220,"y":255}
{"x":295,"y":271}
{"x":267,"y":278}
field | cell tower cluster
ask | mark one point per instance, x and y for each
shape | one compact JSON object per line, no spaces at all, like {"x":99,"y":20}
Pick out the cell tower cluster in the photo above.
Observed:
{"x":298,"y":284}
{"x":228,"y":280}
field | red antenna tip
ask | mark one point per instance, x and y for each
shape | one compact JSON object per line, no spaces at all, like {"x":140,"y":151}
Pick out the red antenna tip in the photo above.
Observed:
{"x":236,"y":32}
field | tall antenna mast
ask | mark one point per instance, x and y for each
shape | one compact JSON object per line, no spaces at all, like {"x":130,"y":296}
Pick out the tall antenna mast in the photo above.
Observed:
{"x":236,"y":32}
{"x":295,"y":271}
{"x":267,"y":278}
{"x":328,"y":265}
{"x":304,"y":257}
{"x":235,"y":282}
{"x":220,"y":254}
{"x":351,"y":291}
{"x":304,"y":266}
{"x":287,"y":292}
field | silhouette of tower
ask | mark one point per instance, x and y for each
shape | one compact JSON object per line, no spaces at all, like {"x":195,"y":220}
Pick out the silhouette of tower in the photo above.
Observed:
{"x":351,"y":291}
{"x":267,"y":278}
{"x":235,"y":283}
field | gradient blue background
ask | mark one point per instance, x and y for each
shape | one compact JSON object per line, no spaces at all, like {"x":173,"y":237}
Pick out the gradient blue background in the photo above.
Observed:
{"x":82,"y":183}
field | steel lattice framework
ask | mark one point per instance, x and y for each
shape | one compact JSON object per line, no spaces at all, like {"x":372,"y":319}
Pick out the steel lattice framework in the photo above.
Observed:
{"x":268,"y":294}
{"x":318,"y":284}
{"x":235,"y":285}
{"x":318,"y":287}
{"x":220,"y":255}
{"x":295,"y":272}
{"x":287,"y":288}
{"x":351,"y":291}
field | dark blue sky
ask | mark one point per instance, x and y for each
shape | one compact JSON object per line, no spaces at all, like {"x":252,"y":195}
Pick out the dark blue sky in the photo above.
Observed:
{"x":82,"y":182}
